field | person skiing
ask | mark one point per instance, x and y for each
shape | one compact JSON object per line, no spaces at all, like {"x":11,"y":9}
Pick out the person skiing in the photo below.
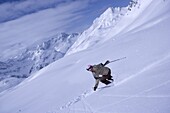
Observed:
{"x":101,"y":73}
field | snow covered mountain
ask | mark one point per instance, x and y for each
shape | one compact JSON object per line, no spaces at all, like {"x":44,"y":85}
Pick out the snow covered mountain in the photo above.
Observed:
{"x":142,"y":80}
{"x":110,"y":23}
{"x":34,"y":58}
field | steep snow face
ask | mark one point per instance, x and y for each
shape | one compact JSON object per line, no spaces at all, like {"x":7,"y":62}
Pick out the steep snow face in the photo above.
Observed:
{"x":111,"y":23}
{"x":101,"y":27}
{"x":142,"y":80}
{"x":34,"y":58}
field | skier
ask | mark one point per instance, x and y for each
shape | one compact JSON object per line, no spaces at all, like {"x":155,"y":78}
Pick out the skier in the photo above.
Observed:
{"x":101,"y":73}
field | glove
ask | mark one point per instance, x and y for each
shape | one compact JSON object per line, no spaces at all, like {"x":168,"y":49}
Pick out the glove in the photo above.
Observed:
{"x":107,"y":62}
{"x":95,"y":88}
{"x":87,"y":69}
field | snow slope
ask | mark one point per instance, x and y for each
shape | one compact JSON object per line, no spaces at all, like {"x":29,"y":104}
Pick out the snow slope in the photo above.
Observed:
{"x":115,"y":21}
{"x":142,"y":80}
{"x":109,"y":24}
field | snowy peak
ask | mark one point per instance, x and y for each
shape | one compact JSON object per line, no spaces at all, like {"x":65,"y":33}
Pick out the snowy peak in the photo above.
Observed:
{"x":50,"y":50}
{"x":109,"y":11}
{"x":109,"y":17}
{"x":100,"y":29}
{"x":114,"y":22}
{"x":34,"y":58}
{"x":141,"y":81}
{"x":105,"y":19}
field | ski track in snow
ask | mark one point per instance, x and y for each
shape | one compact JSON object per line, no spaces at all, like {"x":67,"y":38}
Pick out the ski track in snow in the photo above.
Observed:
{"x":75,"y":100}
{"x":137,"y":95}
{"x":138,"y":20}
{"x":88,"y":109}
{"x":149,"y":24}
{"x":90,"y":92}
{"x":150,"y":66}
{"x":80,"y":98}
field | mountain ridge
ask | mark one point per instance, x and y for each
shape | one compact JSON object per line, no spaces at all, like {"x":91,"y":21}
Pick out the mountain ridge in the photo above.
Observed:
{"x":34,"y":58}
{"x":100,"y":30}
{"x":141,"y":81}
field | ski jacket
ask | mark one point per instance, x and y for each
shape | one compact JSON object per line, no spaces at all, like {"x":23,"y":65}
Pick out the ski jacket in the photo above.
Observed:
{"x":99,"y":69}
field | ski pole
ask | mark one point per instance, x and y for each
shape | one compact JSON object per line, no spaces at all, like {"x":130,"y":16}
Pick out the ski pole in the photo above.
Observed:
{"x":117,"y":59}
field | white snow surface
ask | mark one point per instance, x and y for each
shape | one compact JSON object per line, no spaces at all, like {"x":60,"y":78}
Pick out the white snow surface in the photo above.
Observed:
{"x":142,"y":80}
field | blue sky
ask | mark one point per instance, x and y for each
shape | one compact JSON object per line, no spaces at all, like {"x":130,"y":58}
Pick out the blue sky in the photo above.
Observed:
{"x":84,"y":11}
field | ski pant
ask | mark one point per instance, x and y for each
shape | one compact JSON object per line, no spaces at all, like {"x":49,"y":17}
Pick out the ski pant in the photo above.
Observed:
{"x":104,"y":79}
